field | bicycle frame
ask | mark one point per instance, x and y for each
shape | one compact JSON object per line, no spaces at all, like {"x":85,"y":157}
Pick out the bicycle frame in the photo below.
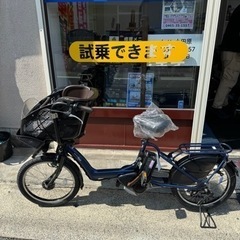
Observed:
{"x":97,"y":174}
{"x":100,"y":174}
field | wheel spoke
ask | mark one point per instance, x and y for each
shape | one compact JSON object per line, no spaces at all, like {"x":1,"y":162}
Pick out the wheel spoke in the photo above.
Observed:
{"x":217,"y":190}
{"x":39,"y":173}
{"x":33,"y":178}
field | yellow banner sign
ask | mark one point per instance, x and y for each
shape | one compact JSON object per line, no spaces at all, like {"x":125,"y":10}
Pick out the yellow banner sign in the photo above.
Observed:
{"x":129,"y":51}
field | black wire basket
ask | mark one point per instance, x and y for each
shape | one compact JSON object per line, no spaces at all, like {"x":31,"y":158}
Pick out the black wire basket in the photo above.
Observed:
{"x":41,"y":126}
{"x":70,"y":122}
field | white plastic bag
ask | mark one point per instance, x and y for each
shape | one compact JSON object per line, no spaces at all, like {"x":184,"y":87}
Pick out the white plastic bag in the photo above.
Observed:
{"x":152,"y":123}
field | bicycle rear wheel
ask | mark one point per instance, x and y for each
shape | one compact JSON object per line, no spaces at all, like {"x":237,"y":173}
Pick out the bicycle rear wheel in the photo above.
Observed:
{"x":217,"y":191}
{"x":32,"y":182}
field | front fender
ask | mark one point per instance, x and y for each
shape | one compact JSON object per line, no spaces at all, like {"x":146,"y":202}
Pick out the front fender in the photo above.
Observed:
{"x":69,"y":162}
{"x":75,"y":166}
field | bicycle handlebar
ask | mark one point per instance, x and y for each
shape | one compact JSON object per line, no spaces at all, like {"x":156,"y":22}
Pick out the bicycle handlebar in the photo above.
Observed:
{"x":62,"y":108}
{"x":84,"y":108}
{"x":67,"y":105}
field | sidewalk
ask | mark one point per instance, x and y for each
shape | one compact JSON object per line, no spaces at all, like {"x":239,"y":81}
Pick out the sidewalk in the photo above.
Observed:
{"x":98,"y":158}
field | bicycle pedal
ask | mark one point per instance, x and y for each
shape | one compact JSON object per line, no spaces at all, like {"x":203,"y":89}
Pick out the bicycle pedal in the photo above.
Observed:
{"x":130,"y":191}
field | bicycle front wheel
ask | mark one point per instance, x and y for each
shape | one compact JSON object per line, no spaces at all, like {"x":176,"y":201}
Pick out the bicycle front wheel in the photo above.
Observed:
{"x":32,"y":182}
{"x":218,"y":190}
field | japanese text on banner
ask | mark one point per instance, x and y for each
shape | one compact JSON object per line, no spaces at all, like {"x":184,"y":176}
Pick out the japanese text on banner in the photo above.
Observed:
{"x":129,"y":51}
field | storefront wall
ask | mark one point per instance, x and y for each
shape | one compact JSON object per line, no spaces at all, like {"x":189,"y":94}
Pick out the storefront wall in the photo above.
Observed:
{"x":21,"y":63}
{"x":178,"y":87}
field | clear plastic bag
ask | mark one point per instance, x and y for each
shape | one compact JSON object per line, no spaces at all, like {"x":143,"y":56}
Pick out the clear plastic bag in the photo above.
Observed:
{"x":152,"y":123}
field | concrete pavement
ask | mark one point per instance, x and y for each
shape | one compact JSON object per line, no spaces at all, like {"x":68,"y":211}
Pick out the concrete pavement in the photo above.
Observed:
{"x":110,"y":214}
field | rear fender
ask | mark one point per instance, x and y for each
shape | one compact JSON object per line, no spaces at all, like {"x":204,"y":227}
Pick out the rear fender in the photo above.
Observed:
{"x":233,"y":166}
{"x":198,"y":166}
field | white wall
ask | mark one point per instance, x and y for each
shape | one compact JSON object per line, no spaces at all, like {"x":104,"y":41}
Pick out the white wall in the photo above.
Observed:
{"x":21,"y":63}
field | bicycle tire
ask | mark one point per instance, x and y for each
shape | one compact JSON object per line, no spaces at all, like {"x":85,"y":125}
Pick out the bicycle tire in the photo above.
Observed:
{"x":33,"y":173}
{"x":224,"y":180}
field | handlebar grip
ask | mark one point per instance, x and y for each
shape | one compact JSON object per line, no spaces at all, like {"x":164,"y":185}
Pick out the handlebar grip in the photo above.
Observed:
{"x":84,"y":108}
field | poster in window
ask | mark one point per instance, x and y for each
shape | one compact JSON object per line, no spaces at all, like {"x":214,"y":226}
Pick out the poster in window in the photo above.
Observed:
{"x":134,"y":89}
{"x":82,"y":15}
{"x":193,"y":41}
{"x":178,"y":14}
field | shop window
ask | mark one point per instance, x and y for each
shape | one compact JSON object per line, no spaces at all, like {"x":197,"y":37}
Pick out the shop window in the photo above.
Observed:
{"x":123,"y":83}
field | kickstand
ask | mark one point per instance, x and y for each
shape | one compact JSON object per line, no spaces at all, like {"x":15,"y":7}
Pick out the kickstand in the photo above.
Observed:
{"x":206,"y":220}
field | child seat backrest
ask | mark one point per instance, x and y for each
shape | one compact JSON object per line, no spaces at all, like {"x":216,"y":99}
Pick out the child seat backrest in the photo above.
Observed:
{"x":86,"y":96}
{"x":82,"y":93}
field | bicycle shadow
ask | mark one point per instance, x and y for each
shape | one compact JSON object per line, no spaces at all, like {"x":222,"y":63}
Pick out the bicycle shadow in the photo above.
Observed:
{"x":159,"y":200}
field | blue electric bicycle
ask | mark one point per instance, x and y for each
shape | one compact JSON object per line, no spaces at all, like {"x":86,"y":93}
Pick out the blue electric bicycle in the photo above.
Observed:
{"x":201,"y":175}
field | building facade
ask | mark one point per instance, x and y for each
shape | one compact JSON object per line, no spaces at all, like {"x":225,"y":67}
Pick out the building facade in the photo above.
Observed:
{"x":120,"y":47}
{"x":22,"y":73}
